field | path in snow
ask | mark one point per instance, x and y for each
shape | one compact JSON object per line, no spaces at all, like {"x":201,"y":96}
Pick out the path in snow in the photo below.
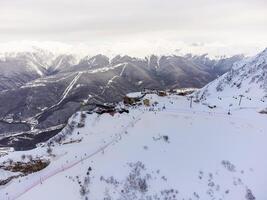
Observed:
{"x":112,"y":79}
{"x":68,"y":89}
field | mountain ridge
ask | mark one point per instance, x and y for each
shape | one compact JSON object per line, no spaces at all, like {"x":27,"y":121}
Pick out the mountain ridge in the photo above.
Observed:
{"x":246,"y":82}
{"x":47,"y":99}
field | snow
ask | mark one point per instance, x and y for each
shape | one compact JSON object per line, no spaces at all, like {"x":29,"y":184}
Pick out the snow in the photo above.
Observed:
{"x":105,"y":69}
{"x":6,"y":174}
{"x":214,"y":150}
{"x":35,"y":67}
{"x":114,"y":77}
{"x":58,"y":64}
{"x":70,"y":86}
{"x":112,"y":80}
{"x":254,"y":61}
{"x":32,"y":84}
{"x":40,"y":60}
{"x":68,"y":89}
{"x":123,"y":69}
{"x":246,"y":79}
{"x":139,"y":82}
{"x":134,"y":95}
{"x":207,"y":153}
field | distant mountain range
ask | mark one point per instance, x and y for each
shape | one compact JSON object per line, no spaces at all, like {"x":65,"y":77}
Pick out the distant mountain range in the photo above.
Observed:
{"x":39,"y":90}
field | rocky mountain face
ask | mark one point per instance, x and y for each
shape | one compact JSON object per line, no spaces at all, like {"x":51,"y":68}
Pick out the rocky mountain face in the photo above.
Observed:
{"x":39,"y":91}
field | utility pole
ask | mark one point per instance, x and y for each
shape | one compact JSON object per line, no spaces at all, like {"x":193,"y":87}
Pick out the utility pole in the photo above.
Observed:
{"x":191,"y":100}
{"x":241,"y":96}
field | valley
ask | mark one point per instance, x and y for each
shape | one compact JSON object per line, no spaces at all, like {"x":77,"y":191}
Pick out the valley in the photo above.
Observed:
{"x":62,"y":85}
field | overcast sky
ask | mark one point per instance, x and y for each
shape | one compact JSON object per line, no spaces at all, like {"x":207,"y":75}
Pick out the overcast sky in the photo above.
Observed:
{"x":137,"y":26}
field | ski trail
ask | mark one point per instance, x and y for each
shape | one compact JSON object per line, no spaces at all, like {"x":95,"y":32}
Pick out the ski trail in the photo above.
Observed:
{"x":34,"y":120}
{"x":51,"y":174}
{"x":70,"y":86}
{"x":123,"y":69}
{"x":58,"y":64}
{"x":112,"y":79}
{"x":108,"y":84}
{"x":36,"y":67}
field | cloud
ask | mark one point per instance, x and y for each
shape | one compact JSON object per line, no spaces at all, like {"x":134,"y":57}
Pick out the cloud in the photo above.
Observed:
{"x":144,"y":22}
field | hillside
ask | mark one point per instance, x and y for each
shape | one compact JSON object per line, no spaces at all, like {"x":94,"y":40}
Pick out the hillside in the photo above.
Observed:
{"x":245,"y":84}
{"x":161,"y":150}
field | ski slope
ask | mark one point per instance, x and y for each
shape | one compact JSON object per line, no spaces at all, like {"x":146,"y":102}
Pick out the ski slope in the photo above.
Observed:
{"x":165,"y":151}
{"x":68,"y":89}
{"x":247,"y":79}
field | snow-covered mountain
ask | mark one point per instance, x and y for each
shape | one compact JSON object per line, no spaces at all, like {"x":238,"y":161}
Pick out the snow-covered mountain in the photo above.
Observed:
{"x":41,"y":90}
{"x":244,"y":84}
{"x":152,"y":146}
{"x":20,"y":68}
{"x":156,"y":150}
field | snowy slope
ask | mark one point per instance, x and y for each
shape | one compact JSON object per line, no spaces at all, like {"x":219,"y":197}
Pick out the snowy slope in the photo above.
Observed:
{"x":164,"y":151}
{"x":247,"y":78}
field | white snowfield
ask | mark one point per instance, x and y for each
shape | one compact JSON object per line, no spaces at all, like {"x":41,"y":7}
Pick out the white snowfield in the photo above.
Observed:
{"x":166,"y":151}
